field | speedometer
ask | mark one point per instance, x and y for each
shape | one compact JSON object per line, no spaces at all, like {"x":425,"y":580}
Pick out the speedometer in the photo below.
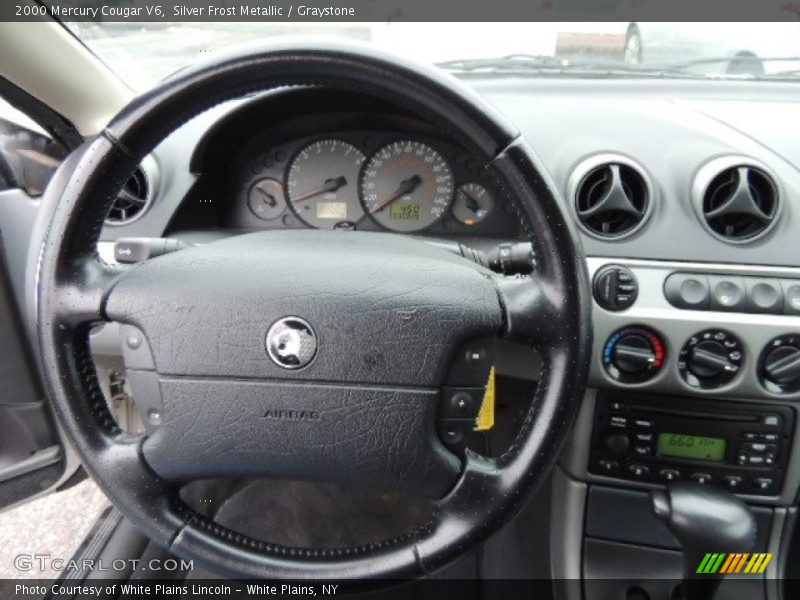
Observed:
{"x":322,"y":183}
{"x":406,"y":186}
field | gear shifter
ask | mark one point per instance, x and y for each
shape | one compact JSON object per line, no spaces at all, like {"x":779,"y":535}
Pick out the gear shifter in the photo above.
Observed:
{"x":703,"y":519}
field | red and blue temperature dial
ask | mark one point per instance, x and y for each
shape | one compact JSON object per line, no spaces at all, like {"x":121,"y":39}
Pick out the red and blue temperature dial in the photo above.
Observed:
{"x":634,"y":354}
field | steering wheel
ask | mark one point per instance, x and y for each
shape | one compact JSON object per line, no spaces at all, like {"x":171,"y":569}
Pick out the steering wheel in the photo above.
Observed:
{"x":316,"y":355}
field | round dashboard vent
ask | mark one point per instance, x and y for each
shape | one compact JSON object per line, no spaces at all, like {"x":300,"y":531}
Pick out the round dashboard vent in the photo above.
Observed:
{"x":136,"y":195}
{"x":736,"y":199}
{"x":740,"y":203}
{"x":612,"y":196}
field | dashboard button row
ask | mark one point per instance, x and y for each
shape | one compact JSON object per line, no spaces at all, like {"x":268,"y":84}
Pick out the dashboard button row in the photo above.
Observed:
{"x":700,"y":291}
{"x":644,"y":472}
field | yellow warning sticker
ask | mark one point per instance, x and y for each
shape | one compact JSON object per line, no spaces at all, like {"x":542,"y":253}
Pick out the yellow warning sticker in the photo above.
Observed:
{"x":485,"y":420}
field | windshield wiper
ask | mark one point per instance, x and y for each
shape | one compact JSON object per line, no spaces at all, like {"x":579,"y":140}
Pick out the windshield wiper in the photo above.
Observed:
{"x":550,"y":65}
{"x":755,"y":62}
{"x":501,"y":63}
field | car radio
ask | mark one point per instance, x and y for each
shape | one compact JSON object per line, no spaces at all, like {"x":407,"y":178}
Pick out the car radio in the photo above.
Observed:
{"x":656,"y":439}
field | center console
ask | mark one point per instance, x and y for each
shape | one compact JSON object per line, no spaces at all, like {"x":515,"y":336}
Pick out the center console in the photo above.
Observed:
{"x":686,"y":385}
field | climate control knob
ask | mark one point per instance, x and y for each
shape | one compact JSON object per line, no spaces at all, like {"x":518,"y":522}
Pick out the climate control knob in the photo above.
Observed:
{"x":633,"y":355}
{"x":780,"y":364}
{"x":710,"y":359}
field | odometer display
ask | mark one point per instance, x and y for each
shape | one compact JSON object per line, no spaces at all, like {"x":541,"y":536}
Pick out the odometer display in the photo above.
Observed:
{"x":407,"y":186}
{"x":696,"y":447}
{"x":404,"y":212}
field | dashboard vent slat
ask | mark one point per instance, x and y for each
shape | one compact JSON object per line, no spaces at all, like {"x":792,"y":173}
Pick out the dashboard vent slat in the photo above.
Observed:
{"x":740,"y":203}
{"x":135,"y":197}
{"x":612,"y":199}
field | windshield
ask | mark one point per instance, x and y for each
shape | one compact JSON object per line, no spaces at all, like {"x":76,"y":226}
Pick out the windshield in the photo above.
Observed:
{"x":143,"y":53}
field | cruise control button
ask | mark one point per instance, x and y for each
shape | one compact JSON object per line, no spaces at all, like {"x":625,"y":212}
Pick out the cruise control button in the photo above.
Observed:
{"x":462,"y":403}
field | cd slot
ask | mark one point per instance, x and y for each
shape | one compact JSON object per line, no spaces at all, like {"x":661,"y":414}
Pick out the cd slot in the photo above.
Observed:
{"x":693,"y":414}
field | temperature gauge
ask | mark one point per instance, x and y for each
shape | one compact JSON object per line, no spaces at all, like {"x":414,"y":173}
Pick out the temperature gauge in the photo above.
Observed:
{"x":472,"y":204}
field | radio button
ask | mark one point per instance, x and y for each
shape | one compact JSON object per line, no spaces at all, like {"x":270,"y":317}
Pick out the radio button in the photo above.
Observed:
{"x":732,"y":482}
{"x":618,"y":443}
{"x":701,"y":478}
{"x":763,"y":483}
{"x":643,"y":424}
{"x":757,"y":447}
{"x":644,"y":436}
{"x":643,"y":450}
{"x":618,"y":406}
{"x":639,"y":471}
{"x":755,"y":460}
{"x":619,"y":422}
{"x":609,"y":467}
{"x":669,"y":474}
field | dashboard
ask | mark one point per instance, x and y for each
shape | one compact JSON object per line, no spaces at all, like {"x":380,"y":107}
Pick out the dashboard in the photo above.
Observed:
{"x":686,"y":195}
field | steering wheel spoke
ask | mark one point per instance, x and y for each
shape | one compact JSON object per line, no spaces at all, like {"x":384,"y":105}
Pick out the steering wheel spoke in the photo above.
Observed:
{"x":532,"y":314}
{"x":81,"y":297}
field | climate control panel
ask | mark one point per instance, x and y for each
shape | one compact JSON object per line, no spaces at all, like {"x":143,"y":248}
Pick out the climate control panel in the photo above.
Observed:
{"x":696,"y":329}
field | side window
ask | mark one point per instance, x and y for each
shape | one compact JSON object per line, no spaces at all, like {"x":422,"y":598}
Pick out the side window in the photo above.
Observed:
{"x":28,"y":155}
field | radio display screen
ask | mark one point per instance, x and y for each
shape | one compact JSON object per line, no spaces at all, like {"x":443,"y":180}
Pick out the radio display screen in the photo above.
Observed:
{"x":680,"y":445}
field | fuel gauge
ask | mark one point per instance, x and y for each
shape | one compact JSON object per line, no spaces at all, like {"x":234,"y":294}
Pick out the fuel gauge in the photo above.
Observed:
{"x":472,"y":204}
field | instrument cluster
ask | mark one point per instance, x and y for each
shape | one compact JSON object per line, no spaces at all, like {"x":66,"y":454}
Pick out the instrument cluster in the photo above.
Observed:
{"x":372,"y":181}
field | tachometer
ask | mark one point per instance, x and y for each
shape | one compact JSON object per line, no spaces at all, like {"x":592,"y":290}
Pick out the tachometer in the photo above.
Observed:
{"x":322,"y":183}
{"x":406,"y":186}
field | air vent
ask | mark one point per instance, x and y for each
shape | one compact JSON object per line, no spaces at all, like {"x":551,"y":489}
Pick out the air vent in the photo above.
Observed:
{"x":740,"y":203}
{"x":135,"y":197}
{"x":612,"y":196}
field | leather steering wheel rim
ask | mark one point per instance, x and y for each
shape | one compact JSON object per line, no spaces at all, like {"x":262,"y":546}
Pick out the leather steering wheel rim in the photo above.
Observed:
{"x":550,"y":311}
